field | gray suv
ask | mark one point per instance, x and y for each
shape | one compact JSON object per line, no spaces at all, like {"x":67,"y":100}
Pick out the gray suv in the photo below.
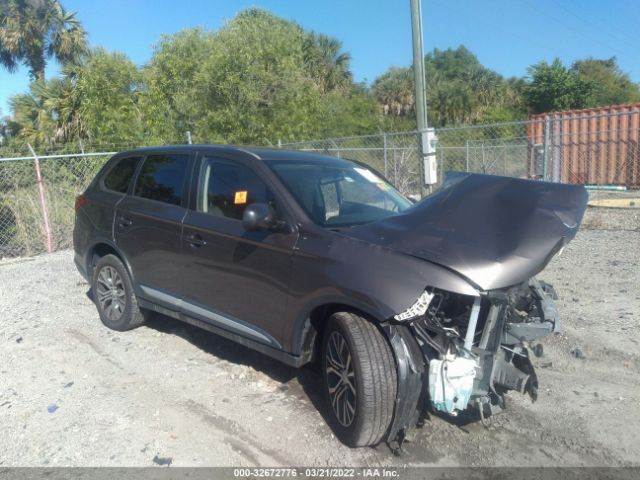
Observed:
{"x":408,"y":307}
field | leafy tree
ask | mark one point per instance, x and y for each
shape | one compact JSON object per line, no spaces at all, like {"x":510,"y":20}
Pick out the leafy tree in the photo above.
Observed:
{"x":170,"y":104}
{"x":354,"y":112}
{"x":462,"y":90}
{"x":94,"y":100}
{"x":611,"y":86}
{"x":108,"y":87}
{"x":33,"y":31}
{"x":258,"y":79}
{"x":253,"y":85}
{"x":553,"y":87}
{"x":459,"y":89}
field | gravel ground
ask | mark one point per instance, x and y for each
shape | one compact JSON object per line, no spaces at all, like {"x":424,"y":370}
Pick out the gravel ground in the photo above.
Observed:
{"x":612,"y":218}
{"x":76,"y":394}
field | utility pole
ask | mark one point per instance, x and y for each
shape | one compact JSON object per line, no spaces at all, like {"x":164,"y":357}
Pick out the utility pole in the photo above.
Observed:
{"x":426,"y":135}
{"x":418,"y":65}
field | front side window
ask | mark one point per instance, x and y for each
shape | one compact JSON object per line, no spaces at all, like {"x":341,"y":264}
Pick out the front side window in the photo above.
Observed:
{"x":339,"y":193}
{"x":120,"y":175}
{"x":226,"y":188}
{"x":162,"y":178}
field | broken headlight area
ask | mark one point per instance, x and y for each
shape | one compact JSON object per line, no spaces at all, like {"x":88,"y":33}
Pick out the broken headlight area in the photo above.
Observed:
{"x":475,"y":349}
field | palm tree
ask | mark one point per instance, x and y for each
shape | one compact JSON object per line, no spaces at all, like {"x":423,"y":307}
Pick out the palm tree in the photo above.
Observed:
{"x":394,"y":91}
{"x":328,"y":65}
{"x":49,"y":112}
{"x":33,"y":31}
{"x":31,"y":114}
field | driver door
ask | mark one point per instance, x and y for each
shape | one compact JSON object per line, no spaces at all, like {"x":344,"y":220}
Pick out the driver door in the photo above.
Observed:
{"x":235,"y":279}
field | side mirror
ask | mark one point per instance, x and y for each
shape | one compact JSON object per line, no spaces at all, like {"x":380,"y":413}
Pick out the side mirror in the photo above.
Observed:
{"x":259,"y":216}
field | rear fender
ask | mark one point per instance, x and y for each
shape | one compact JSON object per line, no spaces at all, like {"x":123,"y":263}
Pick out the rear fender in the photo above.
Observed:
{"x":105,"y":241}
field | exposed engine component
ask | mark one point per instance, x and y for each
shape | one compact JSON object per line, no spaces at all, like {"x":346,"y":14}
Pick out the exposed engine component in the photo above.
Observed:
{"x":478,"y":348}
{"x":451,"y":383}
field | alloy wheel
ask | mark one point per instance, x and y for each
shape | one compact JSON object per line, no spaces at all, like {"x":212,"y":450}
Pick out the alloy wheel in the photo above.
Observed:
{"x":111,"y":293}
{"x":340,"y":379}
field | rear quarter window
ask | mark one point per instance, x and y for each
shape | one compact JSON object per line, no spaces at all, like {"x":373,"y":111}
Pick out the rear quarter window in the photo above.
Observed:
{"x":161,"y":178}
{"x":120,"y":175}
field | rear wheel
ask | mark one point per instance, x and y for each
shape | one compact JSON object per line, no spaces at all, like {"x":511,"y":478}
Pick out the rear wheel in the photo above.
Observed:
{"x":113,"y":295}
{"x":360,"y":379}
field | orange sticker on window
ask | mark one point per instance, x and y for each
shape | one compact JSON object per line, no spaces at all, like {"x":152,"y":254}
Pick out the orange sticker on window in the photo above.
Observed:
{"x":240,"y":197}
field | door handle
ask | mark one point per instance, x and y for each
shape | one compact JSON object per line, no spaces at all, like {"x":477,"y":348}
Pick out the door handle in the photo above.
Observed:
{"x":125,"y":222}
{"x":196,"y":241}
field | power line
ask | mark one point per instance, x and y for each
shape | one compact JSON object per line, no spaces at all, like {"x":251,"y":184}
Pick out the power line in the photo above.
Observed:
{"x":530,"y":39}
{"x":569,"y":27}
{"x":613,"y":31}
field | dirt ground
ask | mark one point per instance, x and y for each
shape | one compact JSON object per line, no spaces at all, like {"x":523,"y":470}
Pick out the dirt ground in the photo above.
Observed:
{"x":74,"y":393}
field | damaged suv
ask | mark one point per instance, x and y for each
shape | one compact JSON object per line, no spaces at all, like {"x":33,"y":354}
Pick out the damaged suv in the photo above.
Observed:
{"x":407,"y":307}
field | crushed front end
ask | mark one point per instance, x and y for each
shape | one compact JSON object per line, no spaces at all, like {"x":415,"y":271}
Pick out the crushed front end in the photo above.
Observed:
{"x":456,"y":352}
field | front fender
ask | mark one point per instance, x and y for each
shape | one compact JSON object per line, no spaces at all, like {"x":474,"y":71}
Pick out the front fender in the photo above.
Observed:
{"x":411,"y":399}
{"x":368,"y":278}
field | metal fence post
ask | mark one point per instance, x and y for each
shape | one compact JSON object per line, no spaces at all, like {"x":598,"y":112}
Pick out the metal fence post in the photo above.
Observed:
{"x":545,"y":146}
{"x":442,"y":164}
{"x":384,"y":143}
{"x":467,"y":150}
{"x":43,"y":201}
{"x":395,"y":167}
{"x":422,"y":149}
{"x":337,"y":148}
{"x":556,"y":152}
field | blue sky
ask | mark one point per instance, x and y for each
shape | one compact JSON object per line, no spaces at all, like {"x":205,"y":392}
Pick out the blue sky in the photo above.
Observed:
{"x":506,"y":35}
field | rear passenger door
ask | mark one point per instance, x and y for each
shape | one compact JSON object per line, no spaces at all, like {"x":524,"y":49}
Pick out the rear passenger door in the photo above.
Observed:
{"x":235,"y":279}
{"x":96,"y":224}
{"x":148,"y":225}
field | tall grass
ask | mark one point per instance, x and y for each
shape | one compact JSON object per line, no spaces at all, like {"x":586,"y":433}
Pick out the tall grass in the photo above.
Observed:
{"x":22,"y":231}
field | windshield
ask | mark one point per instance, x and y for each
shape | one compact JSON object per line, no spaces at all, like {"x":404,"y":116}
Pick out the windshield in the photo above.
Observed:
{"x":339,"y":193}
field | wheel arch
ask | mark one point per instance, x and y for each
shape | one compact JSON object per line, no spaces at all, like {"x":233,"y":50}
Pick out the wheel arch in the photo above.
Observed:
{"x":309,"y":327}
{"x":99,"y":249}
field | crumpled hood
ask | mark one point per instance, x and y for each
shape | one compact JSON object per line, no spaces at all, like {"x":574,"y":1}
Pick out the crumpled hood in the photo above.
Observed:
{"x":495,"y":231}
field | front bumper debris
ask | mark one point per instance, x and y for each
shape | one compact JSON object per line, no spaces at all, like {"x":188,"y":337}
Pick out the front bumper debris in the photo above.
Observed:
{"x":437,"y":371}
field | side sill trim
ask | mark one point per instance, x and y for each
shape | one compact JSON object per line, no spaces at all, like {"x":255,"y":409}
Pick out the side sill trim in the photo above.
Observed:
{"x":210,"y":316}
{"x":277,"y":354}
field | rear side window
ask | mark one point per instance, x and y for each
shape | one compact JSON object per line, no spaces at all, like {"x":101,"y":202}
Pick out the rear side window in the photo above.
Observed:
{"x":226,"y":188}
{"x":120,"y":175}
{"x":162,"y":178}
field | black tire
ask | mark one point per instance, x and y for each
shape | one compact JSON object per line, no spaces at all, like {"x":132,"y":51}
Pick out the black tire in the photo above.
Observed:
{"x":374,"y":380}
{"x":119,"y":308}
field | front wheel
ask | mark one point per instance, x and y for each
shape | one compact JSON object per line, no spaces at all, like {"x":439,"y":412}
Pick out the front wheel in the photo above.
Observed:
{"x":360,"y":379}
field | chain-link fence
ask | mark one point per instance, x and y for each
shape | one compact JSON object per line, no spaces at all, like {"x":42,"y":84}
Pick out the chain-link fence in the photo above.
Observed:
{"x":394,"y":154}
{"x":592,"y":149}
{"x":37,"y":191}
{"x":37,"y":197}
{"x":492,"y":149}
